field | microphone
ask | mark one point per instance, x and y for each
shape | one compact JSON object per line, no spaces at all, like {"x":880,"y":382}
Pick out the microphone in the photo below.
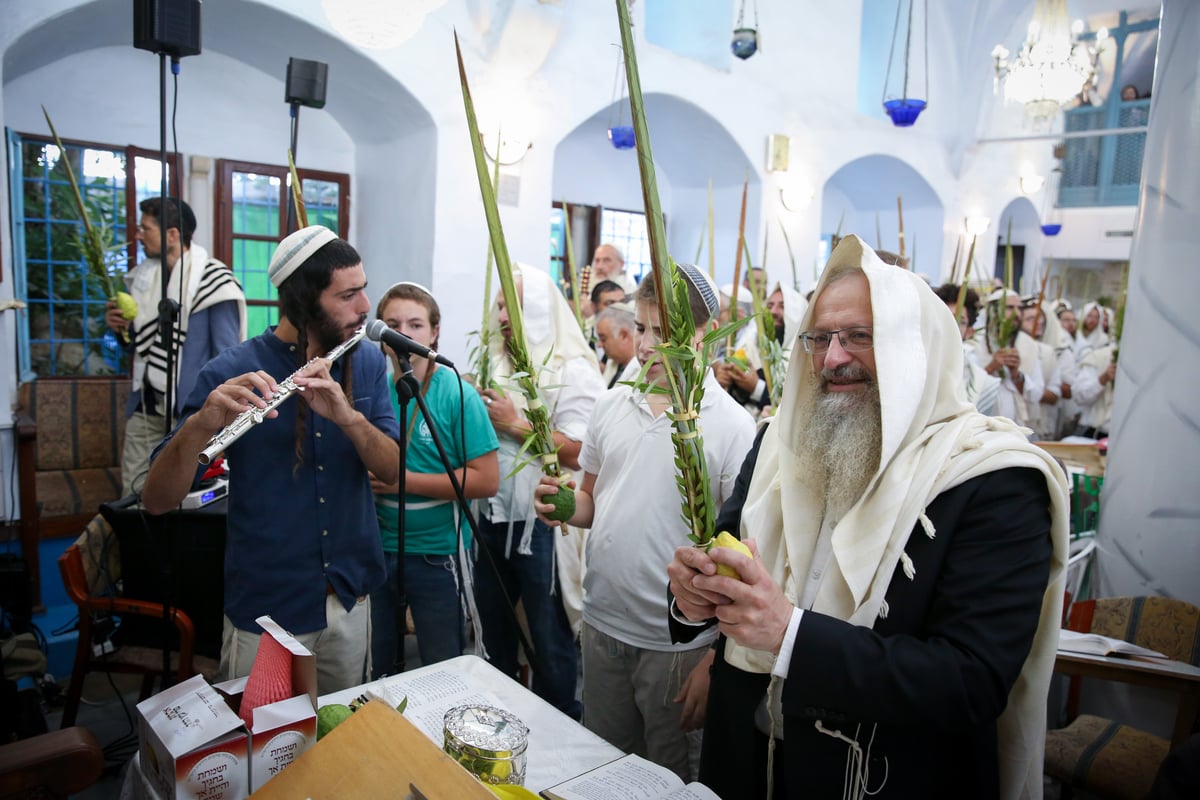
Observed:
{"x":378,"y":331}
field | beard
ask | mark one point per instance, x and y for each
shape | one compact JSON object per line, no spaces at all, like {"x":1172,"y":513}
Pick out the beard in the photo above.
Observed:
{"x":328,"y":333}
{"x":779,"y":329}
{"x":839,"y":438}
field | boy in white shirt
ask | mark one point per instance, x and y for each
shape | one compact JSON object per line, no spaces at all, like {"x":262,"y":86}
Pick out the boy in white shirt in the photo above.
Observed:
{"x":641,"y":692}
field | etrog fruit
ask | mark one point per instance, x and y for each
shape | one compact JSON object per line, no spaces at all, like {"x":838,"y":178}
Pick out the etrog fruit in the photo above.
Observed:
{"x":330,"y":716}
{"x":127,"y":304}
{"x":564,"y":504}
{"x":726,"y":539}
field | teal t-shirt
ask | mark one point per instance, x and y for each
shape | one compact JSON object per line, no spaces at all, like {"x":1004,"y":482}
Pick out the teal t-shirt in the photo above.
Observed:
{"x":429,"y":523}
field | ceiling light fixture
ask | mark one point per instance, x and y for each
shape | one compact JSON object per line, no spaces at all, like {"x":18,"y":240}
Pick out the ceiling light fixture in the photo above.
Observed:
{"x":1052,"y":66}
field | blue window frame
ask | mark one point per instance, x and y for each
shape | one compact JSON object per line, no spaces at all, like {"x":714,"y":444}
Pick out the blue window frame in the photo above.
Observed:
{"x":61,"y":331}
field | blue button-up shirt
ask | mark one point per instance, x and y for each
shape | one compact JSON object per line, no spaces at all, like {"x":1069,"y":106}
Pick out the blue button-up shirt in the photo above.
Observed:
{"x":296,"y":529}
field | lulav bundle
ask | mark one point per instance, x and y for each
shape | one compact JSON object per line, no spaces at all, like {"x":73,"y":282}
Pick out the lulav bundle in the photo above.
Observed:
{"x":541,"y":439}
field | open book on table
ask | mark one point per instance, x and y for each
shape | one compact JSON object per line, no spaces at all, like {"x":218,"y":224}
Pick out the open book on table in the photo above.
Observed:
{"x":1097,"y":645}
{"x":630,"y":777}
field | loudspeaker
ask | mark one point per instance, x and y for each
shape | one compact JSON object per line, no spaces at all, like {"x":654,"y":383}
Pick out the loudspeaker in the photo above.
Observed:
{"x":305,"y":85}
{"x":167,"y":26}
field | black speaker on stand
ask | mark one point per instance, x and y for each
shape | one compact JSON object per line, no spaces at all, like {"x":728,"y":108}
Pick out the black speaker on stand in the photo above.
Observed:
{"x":168,"y":28}
{"x":304,"y":86}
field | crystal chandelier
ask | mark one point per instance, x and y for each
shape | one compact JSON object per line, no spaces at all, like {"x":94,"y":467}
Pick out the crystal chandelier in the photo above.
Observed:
{"x":1052,"y":67}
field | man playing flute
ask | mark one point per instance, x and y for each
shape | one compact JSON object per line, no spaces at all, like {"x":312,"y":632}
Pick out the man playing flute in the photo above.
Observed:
{"x":303,"y":541}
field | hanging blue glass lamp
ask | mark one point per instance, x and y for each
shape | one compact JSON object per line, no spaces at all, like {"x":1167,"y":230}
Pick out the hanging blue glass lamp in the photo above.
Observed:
{"x":745,"y":39}
{"x":620,"y":135}
{"x":902,"y":107}
{"x":1051,"y":214}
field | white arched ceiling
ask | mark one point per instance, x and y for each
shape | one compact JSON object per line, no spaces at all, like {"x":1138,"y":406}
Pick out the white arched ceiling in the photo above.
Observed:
{"x":380,"y":118}
{"x":690,"y":148}
{"x":372,"y":107}
{"x":861,"y":197}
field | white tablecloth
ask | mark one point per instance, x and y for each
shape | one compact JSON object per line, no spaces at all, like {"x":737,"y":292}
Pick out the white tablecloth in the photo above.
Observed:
{"x":559,"y":747}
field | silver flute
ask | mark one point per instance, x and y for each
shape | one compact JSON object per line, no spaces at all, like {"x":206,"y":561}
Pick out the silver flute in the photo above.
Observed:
{"x":246,"y":420}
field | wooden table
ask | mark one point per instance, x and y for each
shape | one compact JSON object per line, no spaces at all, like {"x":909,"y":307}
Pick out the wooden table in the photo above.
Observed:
{"x":1157,"y":673}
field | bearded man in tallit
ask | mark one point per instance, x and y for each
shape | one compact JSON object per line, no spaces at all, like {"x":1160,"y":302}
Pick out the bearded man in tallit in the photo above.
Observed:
{"x":529,"y":561}
{"x":211,"y":319}
{"x":895,"y":631}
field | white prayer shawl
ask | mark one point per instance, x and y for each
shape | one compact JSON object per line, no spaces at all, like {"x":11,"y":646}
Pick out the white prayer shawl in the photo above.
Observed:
{"x":1097,"y":413}
{"x":208,"y":282}
{"x":1085,"y":343}
{"x":933,"y":440}
{"x":553,"y":339}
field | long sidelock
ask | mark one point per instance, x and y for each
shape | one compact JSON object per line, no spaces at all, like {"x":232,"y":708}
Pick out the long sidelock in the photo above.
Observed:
{"x":252,"y":416}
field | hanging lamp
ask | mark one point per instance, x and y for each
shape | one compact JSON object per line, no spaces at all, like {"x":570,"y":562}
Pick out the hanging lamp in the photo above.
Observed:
{"x":903,"y":108}
{"x":1051,"y":215}
{"x":619,"y":134}
{"x":745,"y":40}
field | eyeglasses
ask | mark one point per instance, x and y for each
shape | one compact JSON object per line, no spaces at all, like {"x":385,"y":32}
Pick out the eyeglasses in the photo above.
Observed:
{"x":852,"y":340}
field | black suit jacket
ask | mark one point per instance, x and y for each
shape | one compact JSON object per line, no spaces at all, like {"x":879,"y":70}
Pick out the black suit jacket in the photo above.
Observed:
{"x":922,"y":689}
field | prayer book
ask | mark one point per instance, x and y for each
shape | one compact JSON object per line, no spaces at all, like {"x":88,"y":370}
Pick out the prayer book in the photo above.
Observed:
{"x":630,"y":777}
{"x":1097,"y":645}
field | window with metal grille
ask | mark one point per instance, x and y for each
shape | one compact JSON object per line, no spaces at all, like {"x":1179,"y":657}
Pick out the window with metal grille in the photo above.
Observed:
{"x":252,"y":216}
{"x":627,"y":230}
{"x":62,"y":331}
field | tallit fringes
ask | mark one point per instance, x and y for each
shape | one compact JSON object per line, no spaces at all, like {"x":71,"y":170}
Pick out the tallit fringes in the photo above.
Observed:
{"x":910,"y":569}
{"x":883,"y":610}
{"x":927,"y":525}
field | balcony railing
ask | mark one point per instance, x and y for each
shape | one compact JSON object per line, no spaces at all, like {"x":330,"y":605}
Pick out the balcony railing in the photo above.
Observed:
{"x":1103,"y":170}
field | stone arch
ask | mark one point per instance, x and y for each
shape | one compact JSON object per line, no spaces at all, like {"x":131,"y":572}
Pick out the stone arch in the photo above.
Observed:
{"x":865,"y":190}
{"x":690,"y":146}
{"x":369,"y":117}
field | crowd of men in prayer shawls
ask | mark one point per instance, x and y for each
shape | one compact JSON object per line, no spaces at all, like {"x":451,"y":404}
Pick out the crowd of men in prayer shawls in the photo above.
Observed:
{"x":892,"y":632}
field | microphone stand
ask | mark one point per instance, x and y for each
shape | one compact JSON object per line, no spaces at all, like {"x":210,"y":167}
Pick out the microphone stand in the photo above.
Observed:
{"x":291,"y":209}
{"x":463,"y":503}
{"x":167,"y":310}
{"x":406,"y":388}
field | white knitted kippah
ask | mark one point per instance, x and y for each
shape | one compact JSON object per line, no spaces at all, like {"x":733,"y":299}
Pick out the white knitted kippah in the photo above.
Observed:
{"x":295,"y":250}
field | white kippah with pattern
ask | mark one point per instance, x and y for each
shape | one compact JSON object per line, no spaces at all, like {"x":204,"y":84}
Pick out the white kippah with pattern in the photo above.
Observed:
{"x":295,"y":250}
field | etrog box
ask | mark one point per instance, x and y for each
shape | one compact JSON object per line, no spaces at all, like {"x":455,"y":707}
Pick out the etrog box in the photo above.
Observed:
{"x":280,"y":731}
{"x":192,"y":745}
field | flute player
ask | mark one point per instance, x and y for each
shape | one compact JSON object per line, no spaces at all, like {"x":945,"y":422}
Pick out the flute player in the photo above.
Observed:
{"x":303,"y":541}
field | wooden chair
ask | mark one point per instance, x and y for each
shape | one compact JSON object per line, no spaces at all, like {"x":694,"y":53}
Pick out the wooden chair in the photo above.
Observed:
{"x":53,"y":765}
{"x":1101,"y":756}
{"x":93,"y":593}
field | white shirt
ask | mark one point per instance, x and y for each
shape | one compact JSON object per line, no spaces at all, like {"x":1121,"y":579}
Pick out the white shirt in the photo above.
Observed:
{"x":637,"y":526}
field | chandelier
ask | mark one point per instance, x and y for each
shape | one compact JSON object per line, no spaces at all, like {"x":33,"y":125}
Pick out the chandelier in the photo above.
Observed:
{"x":1052,"y":68}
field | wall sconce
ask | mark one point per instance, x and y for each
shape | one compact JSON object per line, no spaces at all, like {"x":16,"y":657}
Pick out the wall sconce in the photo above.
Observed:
{"x":796,"y":194}
{"x":976,"y":224}
{"x":1032,"y":184}
{"x":511,"y":148}
{"x":777,"y":152}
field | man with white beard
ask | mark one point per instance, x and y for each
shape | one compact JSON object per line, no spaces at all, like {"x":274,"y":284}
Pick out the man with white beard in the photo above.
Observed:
{"x":895,"y":630}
